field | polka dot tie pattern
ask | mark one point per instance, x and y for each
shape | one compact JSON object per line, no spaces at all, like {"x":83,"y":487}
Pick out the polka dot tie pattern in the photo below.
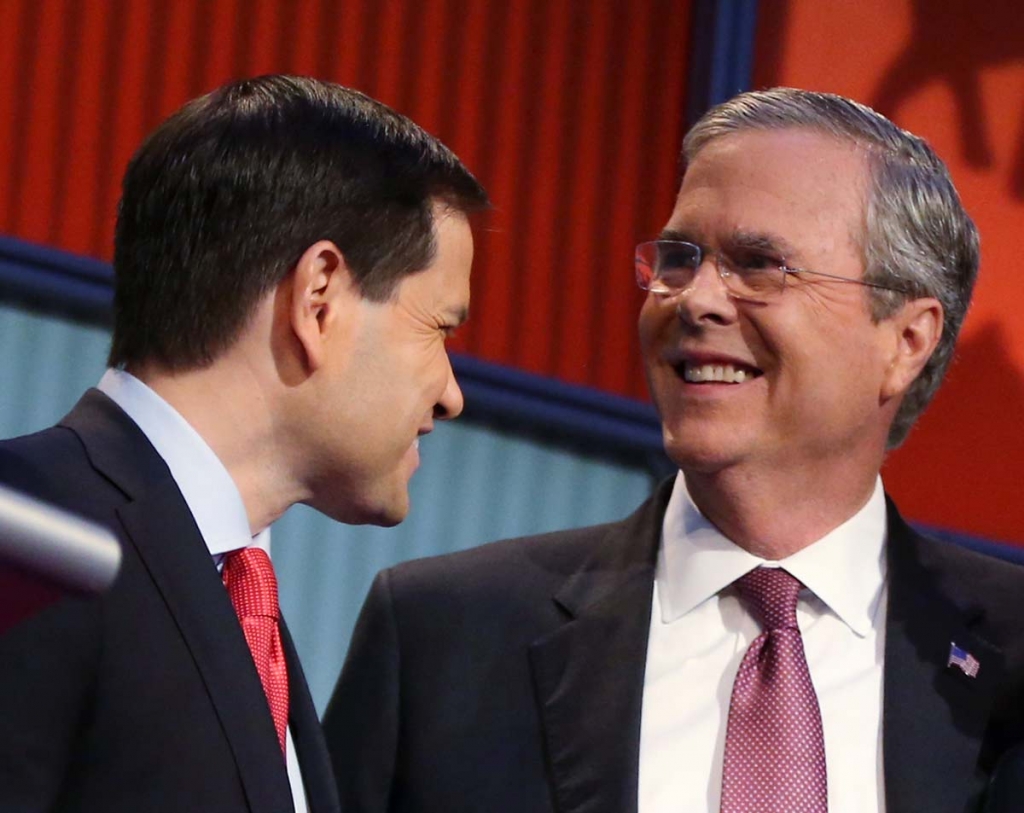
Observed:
{"x":252,"y":587}
{"x":774,"y":745}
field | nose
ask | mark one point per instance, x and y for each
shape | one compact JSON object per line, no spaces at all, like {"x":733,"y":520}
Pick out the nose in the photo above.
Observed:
{"x":451,"y":402}
{"x":706,"y":298}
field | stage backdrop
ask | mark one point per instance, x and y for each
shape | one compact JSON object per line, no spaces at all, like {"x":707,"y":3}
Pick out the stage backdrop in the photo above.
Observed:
{"x":571,"y":112}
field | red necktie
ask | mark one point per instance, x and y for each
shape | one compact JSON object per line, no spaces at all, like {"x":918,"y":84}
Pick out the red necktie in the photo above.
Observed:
{"x":774,"y":745}
{"x":252,"y":588}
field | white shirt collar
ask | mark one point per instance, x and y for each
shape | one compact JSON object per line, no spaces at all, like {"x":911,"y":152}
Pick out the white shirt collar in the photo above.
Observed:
{"x":845,"y":569}
{"x":209,"y":491}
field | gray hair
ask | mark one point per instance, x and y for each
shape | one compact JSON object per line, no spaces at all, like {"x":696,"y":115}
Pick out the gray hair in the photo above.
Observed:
{"x":917,"y":236}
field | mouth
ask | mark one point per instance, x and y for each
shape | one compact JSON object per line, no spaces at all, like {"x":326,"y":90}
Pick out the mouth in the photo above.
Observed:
{"x":423,"y":430}
{"x":694,"y":372}
{"x":412,"y":455}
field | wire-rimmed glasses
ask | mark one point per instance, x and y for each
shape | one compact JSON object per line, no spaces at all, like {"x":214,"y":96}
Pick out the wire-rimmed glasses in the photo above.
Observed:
{"x":667,"y":268}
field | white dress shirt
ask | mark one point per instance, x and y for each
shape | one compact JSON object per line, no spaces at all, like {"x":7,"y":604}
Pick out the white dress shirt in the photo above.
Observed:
{"x":209,"y":492}
{"x":700,"y":631}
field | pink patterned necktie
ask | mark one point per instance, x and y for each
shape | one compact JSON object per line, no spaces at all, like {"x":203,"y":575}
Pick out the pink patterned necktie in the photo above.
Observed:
{"x":252,"y":588}
{"x":774,"y":746}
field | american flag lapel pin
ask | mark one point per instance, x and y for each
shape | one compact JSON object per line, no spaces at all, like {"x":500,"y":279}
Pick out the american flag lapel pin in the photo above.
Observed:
{"x":963,"y":660}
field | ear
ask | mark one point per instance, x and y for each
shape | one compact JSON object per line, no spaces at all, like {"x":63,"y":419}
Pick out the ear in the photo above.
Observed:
{"x":917,"y":328}
{"x":321,"y":290}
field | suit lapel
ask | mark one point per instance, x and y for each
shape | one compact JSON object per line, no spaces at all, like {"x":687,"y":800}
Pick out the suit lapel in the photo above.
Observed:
{"x":169,"y":544}
{"x":934,"y":714}
{"x":158,"y":523}
{"x":317,"y":772}
{"x":589,"y":673}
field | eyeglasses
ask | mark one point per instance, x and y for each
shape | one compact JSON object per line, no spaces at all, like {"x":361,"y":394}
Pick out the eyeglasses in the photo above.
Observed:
{"x":667,"y":268}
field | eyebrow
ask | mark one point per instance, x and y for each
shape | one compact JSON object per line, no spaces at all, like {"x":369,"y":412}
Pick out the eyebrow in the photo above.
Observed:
{"x":763,"y":241}
{"x":675,"y":234}
{"x":760,"y":241}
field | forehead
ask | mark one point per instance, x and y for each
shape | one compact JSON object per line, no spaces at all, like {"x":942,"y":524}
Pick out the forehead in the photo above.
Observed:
{"x":808,"y":188}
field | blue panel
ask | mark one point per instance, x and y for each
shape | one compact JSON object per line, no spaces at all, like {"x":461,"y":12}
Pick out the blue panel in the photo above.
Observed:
{"x":475,"y":485}
{"x":45,"y":365}
{"x":55,"y":281}
{"x":721,"y":53}
{"x":733,"y":52}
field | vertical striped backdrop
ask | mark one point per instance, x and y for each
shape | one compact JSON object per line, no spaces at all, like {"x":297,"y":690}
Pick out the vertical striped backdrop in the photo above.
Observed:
{"x":569,"y":111}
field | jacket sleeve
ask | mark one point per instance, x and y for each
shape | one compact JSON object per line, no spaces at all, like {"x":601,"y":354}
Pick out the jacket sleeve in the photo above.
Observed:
{"x":361,"y":724}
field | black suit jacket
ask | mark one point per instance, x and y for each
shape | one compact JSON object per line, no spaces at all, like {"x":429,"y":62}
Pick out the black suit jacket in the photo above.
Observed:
{"x":145,"y":699}
{"x":510,"y":677}
{"x":1006,"y":792}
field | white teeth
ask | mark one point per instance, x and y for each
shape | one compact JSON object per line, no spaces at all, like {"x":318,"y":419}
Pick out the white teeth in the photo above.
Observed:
{"x":715,"y":372}
{"x":416,"y":443}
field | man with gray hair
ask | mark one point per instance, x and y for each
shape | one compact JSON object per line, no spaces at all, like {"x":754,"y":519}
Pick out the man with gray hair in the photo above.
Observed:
{"x":765,"y":634}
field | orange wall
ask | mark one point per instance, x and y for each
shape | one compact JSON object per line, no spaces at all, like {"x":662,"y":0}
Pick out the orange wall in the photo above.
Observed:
{"x":570,"y":112}
{"x":952,"y":71}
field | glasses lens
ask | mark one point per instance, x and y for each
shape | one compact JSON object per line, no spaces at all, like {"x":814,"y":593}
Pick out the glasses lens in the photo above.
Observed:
{"x":751,"y":274}
{"x":665,"y":266}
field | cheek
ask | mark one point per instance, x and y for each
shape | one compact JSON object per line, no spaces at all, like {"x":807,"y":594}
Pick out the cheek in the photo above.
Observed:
{"x":838,"y":375}
{"x":653,"y":323}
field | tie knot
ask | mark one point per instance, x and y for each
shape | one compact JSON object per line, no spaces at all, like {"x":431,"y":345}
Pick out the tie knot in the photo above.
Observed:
{"x":251,"y":583}
{"x":771,"y":593}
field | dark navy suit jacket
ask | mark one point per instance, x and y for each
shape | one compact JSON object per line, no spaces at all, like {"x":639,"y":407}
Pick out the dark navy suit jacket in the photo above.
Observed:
{"x":510,"y":677}
{"x":146,"y":699}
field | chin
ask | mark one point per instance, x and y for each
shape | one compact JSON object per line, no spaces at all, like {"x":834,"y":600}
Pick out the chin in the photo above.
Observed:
{"x":701,"y":454}
{"x":367,"y":510}
{"x":383,"y":515}
{"x":386,"y":508}
{"x":388,"y":518}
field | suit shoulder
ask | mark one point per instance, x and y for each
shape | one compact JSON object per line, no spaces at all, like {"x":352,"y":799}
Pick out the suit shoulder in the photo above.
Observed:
{"x":981,"y":580}
{"x":54,"y":466}
{"x":38,"y":444}
{"x":977,"y":568}
{"x":36,"y":463}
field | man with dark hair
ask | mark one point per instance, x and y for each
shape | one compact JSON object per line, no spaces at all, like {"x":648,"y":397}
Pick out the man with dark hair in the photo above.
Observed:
{"x":765,"y":634}
{"x":290,"y":257}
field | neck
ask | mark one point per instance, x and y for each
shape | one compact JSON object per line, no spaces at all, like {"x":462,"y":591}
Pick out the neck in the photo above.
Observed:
{"x":231,"y":409}
{"x":774,"y":517}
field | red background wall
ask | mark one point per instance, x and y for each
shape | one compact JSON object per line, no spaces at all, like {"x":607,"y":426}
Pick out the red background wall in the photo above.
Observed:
{"x":571,"y":113}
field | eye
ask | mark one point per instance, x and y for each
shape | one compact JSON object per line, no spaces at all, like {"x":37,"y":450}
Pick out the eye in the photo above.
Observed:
{"x":675,"y":264}
{"x":675,"y":258}
{"x":749,"y":261}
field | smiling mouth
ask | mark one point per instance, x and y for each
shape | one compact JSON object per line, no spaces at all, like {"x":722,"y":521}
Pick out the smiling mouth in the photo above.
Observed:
{"x":716,"y":373}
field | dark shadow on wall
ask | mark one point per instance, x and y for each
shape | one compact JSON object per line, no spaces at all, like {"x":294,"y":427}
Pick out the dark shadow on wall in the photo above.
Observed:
{"x":952,"y":42}
{"x":964,"y":461}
